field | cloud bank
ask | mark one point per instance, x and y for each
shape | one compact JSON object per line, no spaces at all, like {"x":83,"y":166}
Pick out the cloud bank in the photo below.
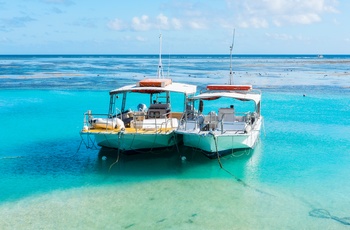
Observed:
{"x":243,"y":14}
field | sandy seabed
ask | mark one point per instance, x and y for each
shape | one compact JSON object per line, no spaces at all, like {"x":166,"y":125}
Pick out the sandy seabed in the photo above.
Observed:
{"x":163,"y":204}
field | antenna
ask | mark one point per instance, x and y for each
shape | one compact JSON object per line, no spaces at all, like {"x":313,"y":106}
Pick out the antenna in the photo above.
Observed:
{"x":160,"y":67}
{"x":231,"y":48}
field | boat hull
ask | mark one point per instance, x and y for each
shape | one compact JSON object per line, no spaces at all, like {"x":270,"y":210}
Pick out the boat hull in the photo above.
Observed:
{"x":214,"y":143}
{"x":135,"y":141}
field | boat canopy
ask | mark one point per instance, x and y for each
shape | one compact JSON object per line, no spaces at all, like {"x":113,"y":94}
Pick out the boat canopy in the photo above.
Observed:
{"x":239,"y":96}
{"x":156,"y":86}
{"x":230,"y":87}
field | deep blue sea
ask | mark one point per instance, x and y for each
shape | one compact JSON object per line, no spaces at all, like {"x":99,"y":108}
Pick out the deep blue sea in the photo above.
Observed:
{"x":297,"y":177}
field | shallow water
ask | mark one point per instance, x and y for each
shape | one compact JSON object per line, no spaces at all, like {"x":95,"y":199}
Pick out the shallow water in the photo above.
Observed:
{"x":49,"y":180}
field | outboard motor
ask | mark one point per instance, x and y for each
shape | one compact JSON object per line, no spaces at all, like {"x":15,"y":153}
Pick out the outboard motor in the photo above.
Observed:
{"x":141,"y":108}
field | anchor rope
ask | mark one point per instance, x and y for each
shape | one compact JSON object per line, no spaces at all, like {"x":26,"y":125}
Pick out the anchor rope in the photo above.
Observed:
{"x":323,"y":213}
{"x":234,"y":176}
{"x":87,"y":145}
{"x":176,"y":142}
{"x":318,"y":213}
{"x":117,"y":160}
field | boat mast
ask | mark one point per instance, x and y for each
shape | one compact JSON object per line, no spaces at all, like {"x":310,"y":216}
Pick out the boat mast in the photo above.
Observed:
{"x":160,"y":67}
{"x":231,"y":48}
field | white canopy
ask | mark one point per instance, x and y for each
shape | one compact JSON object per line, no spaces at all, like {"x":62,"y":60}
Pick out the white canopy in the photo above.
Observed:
{"x":173,"y":87}
{"x":250,"y":96}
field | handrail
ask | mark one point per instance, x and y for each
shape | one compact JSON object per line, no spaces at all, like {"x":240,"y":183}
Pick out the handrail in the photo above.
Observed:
{"x":88,"y":116}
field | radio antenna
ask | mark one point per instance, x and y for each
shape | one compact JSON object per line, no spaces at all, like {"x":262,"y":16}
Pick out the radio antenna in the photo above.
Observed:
{"x":160,"y":66}
{"x":231,"y":48}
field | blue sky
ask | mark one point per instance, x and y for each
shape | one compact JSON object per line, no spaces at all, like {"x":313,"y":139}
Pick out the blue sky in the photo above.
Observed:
{"x":187,"y":26}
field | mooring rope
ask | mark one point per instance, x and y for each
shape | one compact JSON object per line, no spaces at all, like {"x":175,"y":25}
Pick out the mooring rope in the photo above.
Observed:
{"x":87,"y":145}
{"x":176,"y":142}
{"x":116,"y":161}
{"x":119,"y":137}
{"x":234,"y":176}
{"x":319,"y":213}
{"x":323,"y":213}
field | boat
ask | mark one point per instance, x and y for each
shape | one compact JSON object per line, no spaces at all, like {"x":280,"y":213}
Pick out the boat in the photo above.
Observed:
{"x":223,"y":127}
{"x":147,"y":125}
{"x":222,"y":119}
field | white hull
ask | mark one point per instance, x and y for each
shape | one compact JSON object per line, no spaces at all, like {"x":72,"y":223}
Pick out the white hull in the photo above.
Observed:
{"x":135,"y":141}
{"x":213,"y":142}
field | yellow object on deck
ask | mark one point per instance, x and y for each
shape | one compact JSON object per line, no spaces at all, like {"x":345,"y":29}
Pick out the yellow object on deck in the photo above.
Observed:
{"x":128,"y":130}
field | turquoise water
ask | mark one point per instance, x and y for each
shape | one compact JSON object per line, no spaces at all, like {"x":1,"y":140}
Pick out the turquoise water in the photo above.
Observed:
{"x":300,"y":165}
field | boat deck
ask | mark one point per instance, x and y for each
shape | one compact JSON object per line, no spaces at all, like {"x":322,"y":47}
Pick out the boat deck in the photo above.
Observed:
{"x":139,"y":124}
{"x":129,"y":131}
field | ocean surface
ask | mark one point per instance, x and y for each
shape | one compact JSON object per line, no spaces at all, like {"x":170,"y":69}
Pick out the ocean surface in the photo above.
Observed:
{"x":297,"y":177}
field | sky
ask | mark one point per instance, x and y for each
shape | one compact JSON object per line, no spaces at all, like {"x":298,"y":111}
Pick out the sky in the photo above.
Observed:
{"x":186,"y":26}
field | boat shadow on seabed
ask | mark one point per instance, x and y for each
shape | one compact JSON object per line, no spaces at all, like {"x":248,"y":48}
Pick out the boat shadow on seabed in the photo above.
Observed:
{"x":169,"y":161}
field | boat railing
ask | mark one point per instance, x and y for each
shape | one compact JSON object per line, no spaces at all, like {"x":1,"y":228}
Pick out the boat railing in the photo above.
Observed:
{"x":210,"y":121}
{"x":164,"y":122}
{"x":189,"y":120}
{"x":223,"y":122}
{"x":239,"y":123}
{"x":89,"y":118}
{"x":167,"y":119}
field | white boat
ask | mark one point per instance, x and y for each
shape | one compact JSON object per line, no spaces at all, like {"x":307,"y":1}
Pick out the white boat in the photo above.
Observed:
{"x":223,"y":119}
{"x":140,"y":128}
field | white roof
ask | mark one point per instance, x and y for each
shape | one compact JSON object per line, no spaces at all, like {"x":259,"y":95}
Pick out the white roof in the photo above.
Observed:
{"x":256,"y":97}
{"x":173,"y":87}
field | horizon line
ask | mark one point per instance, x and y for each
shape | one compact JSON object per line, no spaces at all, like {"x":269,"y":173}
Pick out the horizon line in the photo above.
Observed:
{"x":194,"y":54}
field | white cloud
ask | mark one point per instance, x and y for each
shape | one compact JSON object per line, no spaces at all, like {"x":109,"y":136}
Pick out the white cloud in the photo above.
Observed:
{"x":254,"y":22}
{"x":141,"y":24}
{"x":163,"y":21}
{"x":117,"y":24}
{"x":176,"y":23}
{"x":280,"y":36}
{"x":242,"y":13}
{"x":141,"y":39}
{"x":302,"y":38}
{"x":263,"y":13}
{"x":145,"y":23}
{"x":61,"y":2}
{"x":197,"y":24}
{"x":303,"y":18}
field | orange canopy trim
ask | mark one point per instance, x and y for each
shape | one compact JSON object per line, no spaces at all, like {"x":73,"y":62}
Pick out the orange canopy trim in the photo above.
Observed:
{"x":154,"y":82}
{"x":230,"y":87}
